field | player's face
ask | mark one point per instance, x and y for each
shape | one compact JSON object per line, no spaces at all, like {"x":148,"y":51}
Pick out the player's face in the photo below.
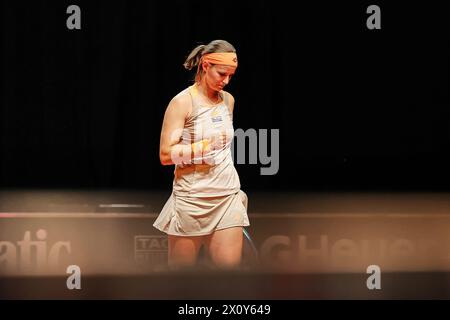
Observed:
{"x":218,"y":76}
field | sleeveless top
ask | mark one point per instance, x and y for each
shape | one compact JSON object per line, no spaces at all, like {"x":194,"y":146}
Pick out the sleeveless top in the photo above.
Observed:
{"x":214,"y":174}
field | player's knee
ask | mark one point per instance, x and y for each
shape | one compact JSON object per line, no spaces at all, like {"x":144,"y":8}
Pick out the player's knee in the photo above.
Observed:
{"x":228,"y":262}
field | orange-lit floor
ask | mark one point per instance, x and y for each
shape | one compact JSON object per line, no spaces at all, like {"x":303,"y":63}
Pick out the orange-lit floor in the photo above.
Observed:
{"x":300,"y":246}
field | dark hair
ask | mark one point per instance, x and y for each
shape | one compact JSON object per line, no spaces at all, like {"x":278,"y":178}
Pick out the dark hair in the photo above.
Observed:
{"x":194,"y":58}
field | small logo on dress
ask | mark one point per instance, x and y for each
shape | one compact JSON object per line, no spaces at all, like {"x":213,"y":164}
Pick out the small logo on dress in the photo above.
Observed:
{"x":216,"y":119}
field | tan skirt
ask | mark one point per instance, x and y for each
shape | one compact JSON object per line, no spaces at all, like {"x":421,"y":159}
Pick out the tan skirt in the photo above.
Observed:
{"x":197,"y":216}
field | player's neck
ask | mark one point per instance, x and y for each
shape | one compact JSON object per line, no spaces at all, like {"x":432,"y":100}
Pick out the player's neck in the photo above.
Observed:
{"x":211,"y":95}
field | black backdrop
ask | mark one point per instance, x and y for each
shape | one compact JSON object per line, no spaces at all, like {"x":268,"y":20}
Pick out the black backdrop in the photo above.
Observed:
{"x":356,"y":108}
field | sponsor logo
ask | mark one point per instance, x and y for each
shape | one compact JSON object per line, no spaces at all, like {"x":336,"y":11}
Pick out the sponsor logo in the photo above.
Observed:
{"x":151,"y":251}
{"x":322,"y":253}
{"x":32,"y":256}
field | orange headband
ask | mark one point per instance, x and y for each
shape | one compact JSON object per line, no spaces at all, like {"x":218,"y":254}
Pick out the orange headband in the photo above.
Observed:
{"x":225,"y":58}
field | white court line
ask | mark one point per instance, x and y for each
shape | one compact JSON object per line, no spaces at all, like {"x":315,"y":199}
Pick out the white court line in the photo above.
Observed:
{"x":103,"y":215}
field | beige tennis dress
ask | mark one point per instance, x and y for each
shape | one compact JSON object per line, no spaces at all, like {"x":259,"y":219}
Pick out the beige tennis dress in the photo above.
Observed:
{"x":206,"y":193}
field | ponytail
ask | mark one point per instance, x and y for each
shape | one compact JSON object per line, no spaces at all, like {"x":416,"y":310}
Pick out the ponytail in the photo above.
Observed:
{"x":194,"y":57}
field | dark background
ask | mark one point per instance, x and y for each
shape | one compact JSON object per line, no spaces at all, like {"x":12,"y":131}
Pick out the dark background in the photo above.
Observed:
{"x":356,"y":108}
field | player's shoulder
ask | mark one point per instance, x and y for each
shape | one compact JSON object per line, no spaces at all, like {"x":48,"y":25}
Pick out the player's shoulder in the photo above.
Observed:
{"x":230,"y":97}
{"x":183,"y":97}
{"x":181,"y":101}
